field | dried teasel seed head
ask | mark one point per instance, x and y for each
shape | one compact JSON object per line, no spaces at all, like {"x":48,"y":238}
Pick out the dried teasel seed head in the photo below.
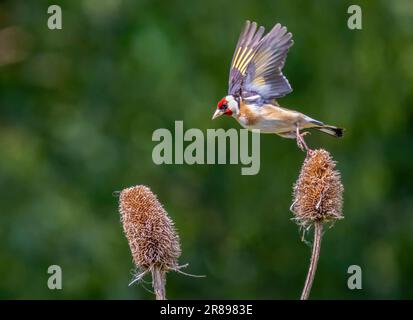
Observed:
{"x":151,"y":234}
{"x":318,"y":192}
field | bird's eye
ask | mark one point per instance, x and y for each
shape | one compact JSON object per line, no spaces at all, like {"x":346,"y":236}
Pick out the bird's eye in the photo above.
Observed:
{"x":223,"y":107}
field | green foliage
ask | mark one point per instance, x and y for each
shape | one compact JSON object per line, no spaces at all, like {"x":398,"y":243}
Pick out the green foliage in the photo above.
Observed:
{"x":79,"y":107}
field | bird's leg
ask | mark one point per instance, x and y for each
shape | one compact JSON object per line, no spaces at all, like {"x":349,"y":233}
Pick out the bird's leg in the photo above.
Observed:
{"x":300,"y":140}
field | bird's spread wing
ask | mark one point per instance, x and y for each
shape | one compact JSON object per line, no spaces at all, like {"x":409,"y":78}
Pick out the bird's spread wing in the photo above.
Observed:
{"x":263,"y":75}
{"x":258,"y":72}
{"x":248,"y":42}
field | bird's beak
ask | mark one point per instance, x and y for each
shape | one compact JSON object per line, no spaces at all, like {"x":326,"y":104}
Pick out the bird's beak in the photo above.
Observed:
{"x":217,"y":114}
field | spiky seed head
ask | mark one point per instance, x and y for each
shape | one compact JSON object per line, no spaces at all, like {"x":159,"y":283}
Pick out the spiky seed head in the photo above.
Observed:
{"x":318,"y":192}
{"x":151,"y":234}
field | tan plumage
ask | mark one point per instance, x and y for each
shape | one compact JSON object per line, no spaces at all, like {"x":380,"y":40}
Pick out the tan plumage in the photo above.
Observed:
{"x":274,"y":119}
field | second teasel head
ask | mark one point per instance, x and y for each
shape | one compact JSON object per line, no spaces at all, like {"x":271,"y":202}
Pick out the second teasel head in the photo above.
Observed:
{"x":149,"y":230}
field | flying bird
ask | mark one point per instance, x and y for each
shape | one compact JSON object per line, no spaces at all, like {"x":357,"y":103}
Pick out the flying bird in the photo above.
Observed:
{"x":256,"y":81}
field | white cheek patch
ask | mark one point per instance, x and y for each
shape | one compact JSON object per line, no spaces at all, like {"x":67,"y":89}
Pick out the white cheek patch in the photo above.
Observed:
{"x":233,"y":106}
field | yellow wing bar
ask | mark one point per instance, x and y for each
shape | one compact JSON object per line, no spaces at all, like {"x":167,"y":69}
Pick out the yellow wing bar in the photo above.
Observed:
{"x":242,"y":59}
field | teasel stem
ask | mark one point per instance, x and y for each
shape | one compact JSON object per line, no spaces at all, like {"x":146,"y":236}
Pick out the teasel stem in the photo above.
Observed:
{"x":318,"y":233}
{"x":158,"y":283}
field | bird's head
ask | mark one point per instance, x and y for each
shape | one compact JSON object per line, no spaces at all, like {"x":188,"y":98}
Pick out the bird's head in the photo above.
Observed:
{"x":228,"y":106}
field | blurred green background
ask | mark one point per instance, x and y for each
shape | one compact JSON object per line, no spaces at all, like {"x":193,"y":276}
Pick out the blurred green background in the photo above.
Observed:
{"x":79,"y":106}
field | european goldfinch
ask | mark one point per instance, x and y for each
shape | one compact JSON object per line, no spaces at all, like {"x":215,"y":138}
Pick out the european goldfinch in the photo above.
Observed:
{"x":256,"y":81}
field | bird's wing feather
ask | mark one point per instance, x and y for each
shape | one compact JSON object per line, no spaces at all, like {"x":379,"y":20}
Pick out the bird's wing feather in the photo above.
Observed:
{"x":248,"y":42}
{"x":263,"y":75}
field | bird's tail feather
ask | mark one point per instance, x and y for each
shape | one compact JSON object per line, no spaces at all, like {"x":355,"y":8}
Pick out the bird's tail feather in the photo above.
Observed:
{"x":331,"y":130}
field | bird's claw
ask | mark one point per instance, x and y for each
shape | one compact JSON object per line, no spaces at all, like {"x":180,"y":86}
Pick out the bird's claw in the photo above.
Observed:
{"x":301,"y":143}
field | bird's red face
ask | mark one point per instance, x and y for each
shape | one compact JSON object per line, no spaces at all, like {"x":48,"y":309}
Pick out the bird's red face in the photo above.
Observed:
{"x":222,"y":108}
